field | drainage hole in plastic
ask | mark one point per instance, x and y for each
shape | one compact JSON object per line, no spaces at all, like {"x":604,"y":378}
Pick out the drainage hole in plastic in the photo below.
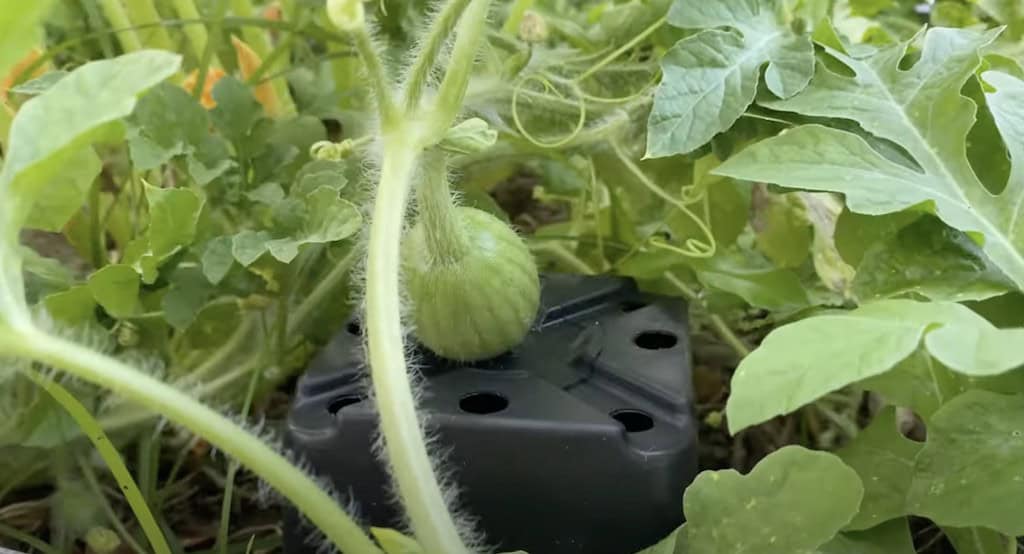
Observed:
{"x":337,"y":404}
{"x":483,"y":403}
{"x":632,"y":305}
{"x":655,"y":340}
{"x":635,"y":421}
{"x":354,"y":328}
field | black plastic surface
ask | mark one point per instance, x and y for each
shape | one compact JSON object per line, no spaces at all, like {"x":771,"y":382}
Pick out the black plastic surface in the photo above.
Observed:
{"x":582,"y":440}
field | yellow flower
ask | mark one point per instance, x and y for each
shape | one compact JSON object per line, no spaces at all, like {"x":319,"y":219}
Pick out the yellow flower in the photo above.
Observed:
{"x":249,"y":62}
{"x":213,"y":75}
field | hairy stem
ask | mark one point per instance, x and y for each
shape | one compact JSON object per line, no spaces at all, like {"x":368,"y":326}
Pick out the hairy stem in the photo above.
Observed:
{"x":436,"y":211}
{"x":403,"y":436}
{"x":180,"y":408}
{"x":380,"y":84}
{"x":471,"y":29}
{"x":440,"y":29}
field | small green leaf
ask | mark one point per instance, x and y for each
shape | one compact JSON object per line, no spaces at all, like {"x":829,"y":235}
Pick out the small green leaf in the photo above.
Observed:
{"x":884,"y":459}
{"x":328,"y":218}
{"x":72,"y":307}
{"x":188,"y":293}
{"x":667,"y":545}
{"x":167,"y":122}
{"x":778,"y":508}
{"x":753,"y":279}
{"x":710,"y":78}
{"x":116,"y":288}
{"x":236,"y":112}
{"x":319,"y":173}
{"x":975,"y":540}
{"x":971,"y":470}
{"x":889,"y":538}
{"x":930,"y":259}
{"x":856,"y":233}
{"x":248,"y":246}
{"x":173,"y":216}
{"x":217,"y":259}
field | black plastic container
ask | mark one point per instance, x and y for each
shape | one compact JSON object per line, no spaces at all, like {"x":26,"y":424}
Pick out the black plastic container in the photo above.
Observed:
{"x":582,"y":440}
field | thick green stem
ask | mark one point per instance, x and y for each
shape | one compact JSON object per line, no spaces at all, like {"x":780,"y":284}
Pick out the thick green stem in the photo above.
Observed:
{"x":445,"y":237}
{"x":426,"y":57}
{"x":180,"y":408}
{"x":116,"y":15}
{"x":403,"y":436}
{"x":151,"y":33}
{"x":380,"y":85}
{"x":196,"y":32}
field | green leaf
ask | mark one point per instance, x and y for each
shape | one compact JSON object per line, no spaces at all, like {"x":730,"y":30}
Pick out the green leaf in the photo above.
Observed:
{"x":66,"y":191}
{"x":884,"y":459}
{"x":173,"y":216}
{"x":802,"y":361}
{"x":247,"y":246}
{"x":188,"y":293}
{"x":71,"y":307}
{"x":930,"y":259}
{"x":51,"y":129}
{"x":856,"y":233}
{"x":921,"y":109}
{"x":753,"y":279}
{"x":167,"y":122}
{"x":319,"y":173}
{"x":217,"y":259}
{"x":970,"y":472}
{"x":710,"y":78}
{"x":236,"y":112}
{"x":778,"y":508}
{"x":919,"y":382}
{"x":116,"y":288}
{"x":328,"y":218}
{"x":889,"y":538}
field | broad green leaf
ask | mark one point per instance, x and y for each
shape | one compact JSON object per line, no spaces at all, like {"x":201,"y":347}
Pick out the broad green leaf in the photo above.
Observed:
{"x":922,"y":110}
{"x":753,"y":279}
{"x":185,"y":298}
{"x":930,"y":259}
{"x":971,"y":470}
{"x":802,"y":361}
{"x":116,"y":288}
{"x":856,"y":233}
{"x":778,"y":508}
{"x":168,"y":122}
{"x":173,"y":216}
{"x":889,"y":538}
{"x":50,"y":131}
{"x":248,"y":246}
{"x":52,"y":127}
{"x":919,"y":382}
{"x":710,"y":78}
{"x":328,"y":218}
{"x":884,"y":459}
{"x":217,"y":259}
{"x":66,"y":191}
{"x":71,"y":307}
{"x":1007,"y":106}
{"x":236,"y":112}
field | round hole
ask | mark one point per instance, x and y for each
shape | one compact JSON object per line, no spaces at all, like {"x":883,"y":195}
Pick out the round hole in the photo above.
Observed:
{"x":354,"y":328}
{"x":632,"y":305}
{"x":341,"y":402}
{"x":483,"y":403}
{"x":634,"y":421}
{"x":655,"y":340}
